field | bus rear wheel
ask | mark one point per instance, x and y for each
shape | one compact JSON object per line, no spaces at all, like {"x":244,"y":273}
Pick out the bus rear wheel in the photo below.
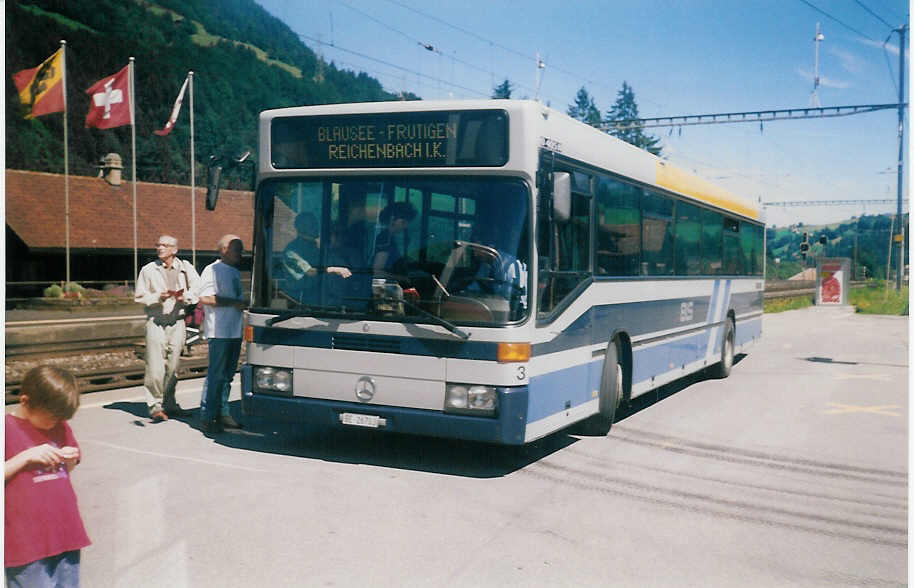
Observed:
{"x":611,"y":389}
{"x":722,"y":369}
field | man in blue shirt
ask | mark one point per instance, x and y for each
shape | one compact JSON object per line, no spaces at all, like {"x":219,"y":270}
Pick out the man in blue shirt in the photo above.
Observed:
{"x":220,"y":293}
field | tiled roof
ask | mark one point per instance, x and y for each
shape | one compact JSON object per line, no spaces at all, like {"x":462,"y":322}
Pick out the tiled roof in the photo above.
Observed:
{"x":101,"y":215}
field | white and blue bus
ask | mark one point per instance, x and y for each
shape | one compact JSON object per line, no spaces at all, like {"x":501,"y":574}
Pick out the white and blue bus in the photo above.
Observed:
{"x":486,"y":270}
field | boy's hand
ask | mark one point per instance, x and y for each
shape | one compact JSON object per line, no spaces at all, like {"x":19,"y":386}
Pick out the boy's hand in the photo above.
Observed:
{"x":44,"y":455}
{"x":70,"y":456}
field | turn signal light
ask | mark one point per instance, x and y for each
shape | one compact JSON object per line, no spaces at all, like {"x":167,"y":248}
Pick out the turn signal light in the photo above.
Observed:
{"x":513,"y":352}
{"x":249,"y":333}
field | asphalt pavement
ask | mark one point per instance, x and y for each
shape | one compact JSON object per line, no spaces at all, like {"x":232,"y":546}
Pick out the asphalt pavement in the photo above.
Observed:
{"x":792,"y":472}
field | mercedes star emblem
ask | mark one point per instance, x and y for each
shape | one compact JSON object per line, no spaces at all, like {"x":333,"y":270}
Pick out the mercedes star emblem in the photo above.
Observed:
{"x":365,"y":388}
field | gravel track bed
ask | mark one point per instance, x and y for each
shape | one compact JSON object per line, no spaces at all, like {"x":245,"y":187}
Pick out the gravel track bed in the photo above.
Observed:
{"x":87,"y":361}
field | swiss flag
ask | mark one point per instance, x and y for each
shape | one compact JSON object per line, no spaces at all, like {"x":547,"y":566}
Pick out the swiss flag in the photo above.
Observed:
{"x":110,"y":101}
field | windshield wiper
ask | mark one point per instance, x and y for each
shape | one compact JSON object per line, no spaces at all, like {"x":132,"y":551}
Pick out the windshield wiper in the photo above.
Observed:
{"x":435,"y":318}
{"x":302,"y":310}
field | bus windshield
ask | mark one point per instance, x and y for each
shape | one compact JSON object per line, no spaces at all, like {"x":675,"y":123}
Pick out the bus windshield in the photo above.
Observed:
{"x":401,"y":248}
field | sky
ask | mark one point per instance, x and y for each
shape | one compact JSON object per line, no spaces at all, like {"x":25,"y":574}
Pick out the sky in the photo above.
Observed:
{"x":683,"y":57}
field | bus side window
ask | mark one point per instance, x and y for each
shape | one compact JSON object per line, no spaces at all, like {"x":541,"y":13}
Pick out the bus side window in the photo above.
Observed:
{"x":733,"y":251}
{"x":712,"y":226}
{"x":618,"y":228}
{"x":569,"y":244}
{"x":759,"y":265}
{"x":688,"y":239}
{"x":656,"y":235}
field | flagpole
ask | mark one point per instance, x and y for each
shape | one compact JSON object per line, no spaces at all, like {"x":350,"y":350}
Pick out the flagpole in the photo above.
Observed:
{"x":66,"y":157}
{"x":133,"y":145}
{"x":193,"y":196}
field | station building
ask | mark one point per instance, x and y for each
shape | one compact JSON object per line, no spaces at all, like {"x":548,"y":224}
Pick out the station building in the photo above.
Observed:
{"x":102,"y":226}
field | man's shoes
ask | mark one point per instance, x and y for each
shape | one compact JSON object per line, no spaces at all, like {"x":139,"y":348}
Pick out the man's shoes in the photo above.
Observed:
{"x":158,"y":416}
{"x":228,"y":422}
{"x":176,"y":411}
{"x":211,"y":428}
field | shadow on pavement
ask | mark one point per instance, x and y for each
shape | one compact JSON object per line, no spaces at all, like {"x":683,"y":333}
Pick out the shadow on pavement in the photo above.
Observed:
{"x":830,"y":361}
{"x":391,"y":450}
{"x":663,"y":392}
{"x":396,"y":450}
{"x":357,"y":446}
{"x":139,"y":409}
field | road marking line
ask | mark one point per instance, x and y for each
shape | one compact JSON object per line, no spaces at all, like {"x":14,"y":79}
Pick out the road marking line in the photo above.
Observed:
{"x":180,"y":457}
{"x":885,"y":409}
{"x":878,"y":377}
{"x":196,"y":390}
{"x":107,"y":402}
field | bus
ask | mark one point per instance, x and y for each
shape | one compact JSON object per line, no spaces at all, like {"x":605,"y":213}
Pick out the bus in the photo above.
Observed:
{"x":488,"y":270}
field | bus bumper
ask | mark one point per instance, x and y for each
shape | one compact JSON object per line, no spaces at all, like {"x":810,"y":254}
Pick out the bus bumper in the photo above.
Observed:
{"x":506,"y":428}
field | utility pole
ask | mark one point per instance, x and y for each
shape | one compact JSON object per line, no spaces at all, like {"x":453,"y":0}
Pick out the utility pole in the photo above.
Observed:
{"x":814,"y":98}
{"x":856,"y":232}
{"x":899,"y":238}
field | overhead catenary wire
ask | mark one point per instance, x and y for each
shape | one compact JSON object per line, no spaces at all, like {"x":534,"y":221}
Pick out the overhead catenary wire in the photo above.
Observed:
{"x":749,"y":116}
{"x":854,"y":202}
{"x":876,"y":16}
{"x":837,"y":20}
{"x":393,"y":65}
{"x":888,"y":61}
{"x":526,"y":56}
{"x":423,"y":43}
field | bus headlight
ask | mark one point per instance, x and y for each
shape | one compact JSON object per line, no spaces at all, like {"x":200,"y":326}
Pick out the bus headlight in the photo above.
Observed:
{"x":470,"y":399}
{"x":269,"y":379}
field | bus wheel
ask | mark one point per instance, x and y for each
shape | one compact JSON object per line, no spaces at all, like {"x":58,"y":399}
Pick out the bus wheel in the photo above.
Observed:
{"x":722,"y":369}
{"x":611,"y":386}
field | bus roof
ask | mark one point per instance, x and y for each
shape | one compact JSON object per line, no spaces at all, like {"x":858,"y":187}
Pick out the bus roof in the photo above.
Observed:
{"x":563,"y":134}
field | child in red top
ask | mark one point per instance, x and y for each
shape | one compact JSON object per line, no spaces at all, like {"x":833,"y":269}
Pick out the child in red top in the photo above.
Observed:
{"x":43,"y":531}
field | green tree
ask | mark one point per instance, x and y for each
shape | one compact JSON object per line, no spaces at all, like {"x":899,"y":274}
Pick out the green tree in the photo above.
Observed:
{"x":585,"y":109}
{"x":626,"y":109}
{"x":503,"y":90}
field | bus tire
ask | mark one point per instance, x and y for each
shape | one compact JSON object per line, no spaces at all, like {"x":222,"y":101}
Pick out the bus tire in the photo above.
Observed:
{"x":722,"y":369}
{"x":611,"y":387}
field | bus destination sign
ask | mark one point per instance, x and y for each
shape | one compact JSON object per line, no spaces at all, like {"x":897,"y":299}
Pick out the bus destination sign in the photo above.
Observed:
{"x":452,"y":138}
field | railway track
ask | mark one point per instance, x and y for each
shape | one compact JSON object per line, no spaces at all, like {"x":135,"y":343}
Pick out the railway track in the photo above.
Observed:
{"x":40,"y":337}
{"x":115,"y":377}
{"x":103,"y":352}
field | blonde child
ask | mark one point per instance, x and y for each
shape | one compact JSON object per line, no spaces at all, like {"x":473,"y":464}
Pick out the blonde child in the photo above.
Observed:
{"x":43,"y":529}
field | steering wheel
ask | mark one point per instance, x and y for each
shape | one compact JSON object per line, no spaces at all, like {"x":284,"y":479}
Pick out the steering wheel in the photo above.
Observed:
{"x":487,"y":285}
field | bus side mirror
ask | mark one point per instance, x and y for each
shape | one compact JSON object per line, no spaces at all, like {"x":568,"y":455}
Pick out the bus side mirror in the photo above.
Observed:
{"x":561,"y":196}
{"x":213,"y":178}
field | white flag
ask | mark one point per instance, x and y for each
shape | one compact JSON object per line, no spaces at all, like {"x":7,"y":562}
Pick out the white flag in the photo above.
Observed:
{"x":174,"y":111}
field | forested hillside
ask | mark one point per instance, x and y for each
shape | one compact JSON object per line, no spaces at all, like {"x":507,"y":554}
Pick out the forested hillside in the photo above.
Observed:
{"x":865,"y":238}
{"x":244,"y":60}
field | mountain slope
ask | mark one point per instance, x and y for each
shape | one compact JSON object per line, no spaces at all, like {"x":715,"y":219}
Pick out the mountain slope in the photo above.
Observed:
{"x":244,"y":61}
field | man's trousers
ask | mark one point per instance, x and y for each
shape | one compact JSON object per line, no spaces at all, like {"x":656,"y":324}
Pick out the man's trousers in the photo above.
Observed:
{"x":163,"y":351}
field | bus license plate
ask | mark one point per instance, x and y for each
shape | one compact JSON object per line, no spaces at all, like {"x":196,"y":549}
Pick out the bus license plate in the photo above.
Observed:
{"x":362,"y":420}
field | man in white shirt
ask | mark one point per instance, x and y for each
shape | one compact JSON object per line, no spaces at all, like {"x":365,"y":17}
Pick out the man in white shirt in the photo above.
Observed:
{"x":165,"y":287}
{"x":220,"y":293}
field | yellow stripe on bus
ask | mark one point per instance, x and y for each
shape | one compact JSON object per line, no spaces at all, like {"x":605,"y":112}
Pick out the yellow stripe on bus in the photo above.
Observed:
{"x":683,"y":182}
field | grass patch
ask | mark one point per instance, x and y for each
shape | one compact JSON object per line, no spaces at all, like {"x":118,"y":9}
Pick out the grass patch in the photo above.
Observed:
{"x":205,"y":39}
{"x":69,"y":23}
{"x":787,"y":303}
{"x":159,"y":10}
{"x":876,"y":298}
